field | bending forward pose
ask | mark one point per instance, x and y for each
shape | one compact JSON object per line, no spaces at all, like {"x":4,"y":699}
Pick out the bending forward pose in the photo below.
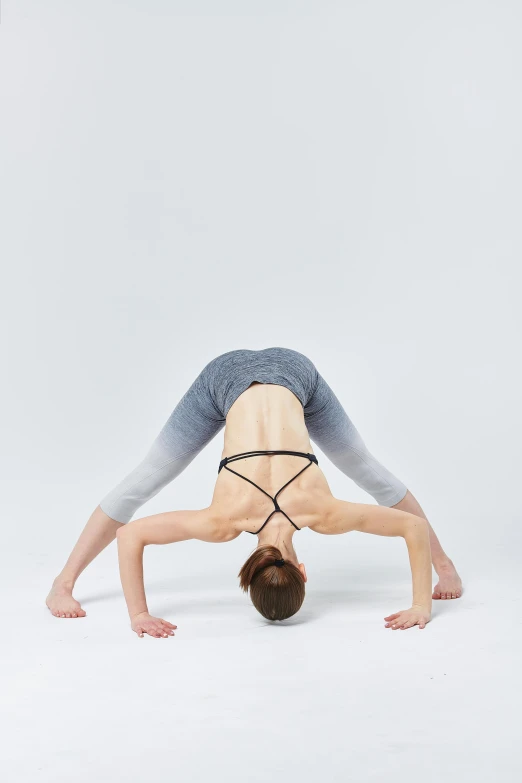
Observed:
{"x":269,"y":484}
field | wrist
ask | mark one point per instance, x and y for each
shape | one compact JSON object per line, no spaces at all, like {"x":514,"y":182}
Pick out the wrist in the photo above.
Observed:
{"x":133,"y":615}
{"x":425,"y":607}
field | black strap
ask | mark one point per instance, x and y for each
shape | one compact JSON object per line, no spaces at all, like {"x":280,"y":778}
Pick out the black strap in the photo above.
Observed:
{"x":234,"y":457}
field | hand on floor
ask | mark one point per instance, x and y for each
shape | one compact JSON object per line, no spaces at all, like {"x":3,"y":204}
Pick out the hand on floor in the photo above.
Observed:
{"x":407,"y":618}
{"x":153,"y":626}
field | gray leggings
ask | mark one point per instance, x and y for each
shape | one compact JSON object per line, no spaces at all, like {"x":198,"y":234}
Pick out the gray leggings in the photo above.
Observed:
{"x":201,"y":414}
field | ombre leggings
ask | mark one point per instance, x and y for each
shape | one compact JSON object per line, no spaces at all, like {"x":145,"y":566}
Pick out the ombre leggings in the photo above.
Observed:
{"x":201,"y":414}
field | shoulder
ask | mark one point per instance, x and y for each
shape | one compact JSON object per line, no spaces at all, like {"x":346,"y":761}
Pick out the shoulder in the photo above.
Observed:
{"x":173,"y":526}
{"x":220,"y":529}
{"x":337,"y":516}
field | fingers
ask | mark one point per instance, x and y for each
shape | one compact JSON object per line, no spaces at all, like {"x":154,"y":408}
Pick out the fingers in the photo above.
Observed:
{"x":397,"y":623}
{"x":392,"y":616}
{"x":404,"y":620}
{"x":156,"y":630}
{"x":150,"y":631}
{"x":167,"y":628}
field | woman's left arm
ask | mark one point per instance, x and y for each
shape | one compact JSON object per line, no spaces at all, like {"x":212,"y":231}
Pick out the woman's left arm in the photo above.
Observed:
{"x":166,"y":528}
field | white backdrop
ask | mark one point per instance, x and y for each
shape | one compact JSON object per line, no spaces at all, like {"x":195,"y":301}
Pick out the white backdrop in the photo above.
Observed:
{"x":179,"y":179}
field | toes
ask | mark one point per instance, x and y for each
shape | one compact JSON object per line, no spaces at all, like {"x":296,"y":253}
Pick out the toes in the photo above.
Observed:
{"x":446,"y":595}
{"x":70,"y":614}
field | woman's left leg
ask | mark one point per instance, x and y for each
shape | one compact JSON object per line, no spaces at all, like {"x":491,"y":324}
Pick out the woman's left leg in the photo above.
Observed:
{"x":330,"y":427}
{"x":193,"y":423}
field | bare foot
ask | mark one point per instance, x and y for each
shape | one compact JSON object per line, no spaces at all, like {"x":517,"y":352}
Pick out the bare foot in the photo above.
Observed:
{"x":61,"y":603}
{"x":449,"y":584}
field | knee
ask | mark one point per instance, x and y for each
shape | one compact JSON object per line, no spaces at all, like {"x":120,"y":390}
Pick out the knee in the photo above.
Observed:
{"x":115,"y":509}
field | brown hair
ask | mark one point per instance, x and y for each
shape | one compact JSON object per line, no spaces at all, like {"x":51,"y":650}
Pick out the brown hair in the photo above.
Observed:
{"x":277,"y":592}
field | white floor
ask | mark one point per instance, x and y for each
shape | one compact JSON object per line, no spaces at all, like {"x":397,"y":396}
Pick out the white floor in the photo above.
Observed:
{"x":329,"y":695}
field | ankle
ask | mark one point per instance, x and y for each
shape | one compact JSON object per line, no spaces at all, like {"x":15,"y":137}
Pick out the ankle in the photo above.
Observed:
{"x":63,"y":583}
{"x":443,"y":564}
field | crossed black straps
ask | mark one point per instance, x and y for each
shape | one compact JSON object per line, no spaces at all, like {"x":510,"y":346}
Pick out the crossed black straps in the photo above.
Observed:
{"x":224,"y":464}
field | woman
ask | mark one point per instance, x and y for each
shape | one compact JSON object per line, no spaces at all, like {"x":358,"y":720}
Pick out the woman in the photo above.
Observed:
{"x":272,"y":401}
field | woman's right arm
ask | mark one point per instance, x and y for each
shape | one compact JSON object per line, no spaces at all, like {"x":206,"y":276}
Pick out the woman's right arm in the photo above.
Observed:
{"x":341,"y":516}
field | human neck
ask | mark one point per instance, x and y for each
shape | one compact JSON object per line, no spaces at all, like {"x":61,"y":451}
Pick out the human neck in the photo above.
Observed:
{"x":281,"y":540}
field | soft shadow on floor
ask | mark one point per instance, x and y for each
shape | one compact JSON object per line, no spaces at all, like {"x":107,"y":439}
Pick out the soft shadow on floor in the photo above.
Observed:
{"x":176,"y":596}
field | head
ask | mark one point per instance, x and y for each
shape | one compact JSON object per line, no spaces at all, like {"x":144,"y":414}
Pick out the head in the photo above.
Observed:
{"x":277,"y":585}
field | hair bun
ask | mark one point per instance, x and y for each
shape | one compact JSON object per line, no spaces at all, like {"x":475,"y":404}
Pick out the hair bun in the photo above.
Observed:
{"x":275,"y":594}
{"x":264,"y":557}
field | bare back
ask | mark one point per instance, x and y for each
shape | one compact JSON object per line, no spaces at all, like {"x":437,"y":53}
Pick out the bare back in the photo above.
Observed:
{"x":268,"y":417}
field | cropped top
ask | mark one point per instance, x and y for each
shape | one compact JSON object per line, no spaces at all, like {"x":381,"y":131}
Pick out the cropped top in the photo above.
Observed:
{"x":224,"y":464}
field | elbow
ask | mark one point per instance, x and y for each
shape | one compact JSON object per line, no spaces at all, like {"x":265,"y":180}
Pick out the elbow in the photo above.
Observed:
{"x":127,"y":536}
{"x":415,"y":526}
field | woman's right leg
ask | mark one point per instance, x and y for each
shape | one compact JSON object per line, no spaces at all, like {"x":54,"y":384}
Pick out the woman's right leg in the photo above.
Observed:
{"x":193,"y":423}
{"x":330,"y":427}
